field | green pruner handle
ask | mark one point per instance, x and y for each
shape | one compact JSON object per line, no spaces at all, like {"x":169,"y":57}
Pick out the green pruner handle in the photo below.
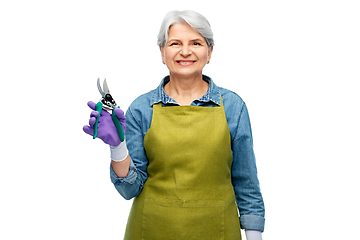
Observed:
{"x":98,"y":107}
{"x":118,"y":125}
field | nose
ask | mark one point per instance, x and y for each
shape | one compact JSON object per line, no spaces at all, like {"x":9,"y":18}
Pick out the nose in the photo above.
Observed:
{"x":185,"y":51}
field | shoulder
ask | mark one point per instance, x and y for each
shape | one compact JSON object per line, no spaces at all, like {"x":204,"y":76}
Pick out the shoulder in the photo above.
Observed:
{"x":142,"y":100}
{"x":141,"y":107}
{"x":235,"y":110}
{"x":231,"y":100}
{"x":139,"y":112}
{"x":145,"y":101}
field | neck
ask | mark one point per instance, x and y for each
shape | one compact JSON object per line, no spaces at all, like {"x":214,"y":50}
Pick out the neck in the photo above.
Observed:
{"x":186,"y":90}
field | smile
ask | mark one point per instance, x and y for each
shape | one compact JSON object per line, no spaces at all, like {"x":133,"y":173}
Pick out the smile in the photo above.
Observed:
{"x":185,"y":62}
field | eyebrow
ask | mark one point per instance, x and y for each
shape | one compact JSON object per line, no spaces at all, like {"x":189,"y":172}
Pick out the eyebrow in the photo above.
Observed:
{"x":197,"y":39}
{"x":192,"y":40}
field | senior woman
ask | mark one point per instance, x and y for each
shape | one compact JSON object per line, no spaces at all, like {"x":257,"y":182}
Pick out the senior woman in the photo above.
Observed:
{"x":188,"y":157}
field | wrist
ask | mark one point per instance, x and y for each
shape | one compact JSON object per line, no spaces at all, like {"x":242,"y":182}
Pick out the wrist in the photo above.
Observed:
{"x":253,"y":235}
{"x":119,"y":153}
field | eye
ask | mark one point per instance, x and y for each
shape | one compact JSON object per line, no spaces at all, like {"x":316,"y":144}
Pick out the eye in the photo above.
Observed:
{"x":196,"y":44}
{"x":174,"y":44}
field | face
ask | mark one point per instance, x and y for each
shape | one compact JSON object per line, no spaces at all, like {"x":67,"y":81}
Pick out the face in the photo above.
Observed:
{"x":186,"y":52}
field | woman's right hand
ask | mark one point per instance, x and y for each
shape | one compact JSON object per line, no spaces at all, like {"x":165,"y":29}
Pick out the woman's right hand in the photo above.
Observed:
{"x":107,"y":131}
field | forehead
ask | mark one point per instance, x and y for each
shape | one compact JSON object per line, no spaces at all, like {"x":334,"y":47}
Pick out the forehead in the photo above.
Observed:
{"x":183,"y":31}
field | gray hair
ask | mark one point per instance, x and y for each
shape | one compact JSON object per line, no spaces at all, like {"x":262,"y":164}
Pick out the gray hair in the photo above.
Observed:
{"x":197,"y":21}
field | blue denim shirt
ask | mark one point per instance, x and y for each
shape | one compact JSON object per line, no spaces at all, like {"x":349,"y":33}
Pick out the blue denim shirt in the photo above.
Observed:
{"x":244,"y":174}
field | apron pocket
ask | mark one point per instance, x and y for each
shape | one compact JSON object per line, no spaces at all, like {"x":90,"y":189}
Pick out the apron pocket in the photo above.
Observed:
{"x":165,"y":219}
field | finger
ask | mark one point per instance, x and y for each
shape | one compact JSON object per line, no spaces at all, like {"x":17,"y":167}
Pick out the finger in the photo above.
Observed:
{"x":91,"y":104}
{"x":94,"y":114}
{"x":88,"y":130}
{"x":92,"y":122}
{"x":119,"y":113}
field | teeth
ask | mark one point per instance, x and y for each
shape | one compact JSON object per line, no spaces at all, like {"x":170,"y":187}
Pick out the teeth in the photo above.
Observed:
{"x":184,"y":62}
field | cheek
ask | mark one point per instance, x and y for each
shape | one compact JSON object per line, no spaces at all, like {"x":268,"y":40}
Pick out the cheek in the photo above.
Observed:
{"x":203,"y":56}
{"x":170,"y":54}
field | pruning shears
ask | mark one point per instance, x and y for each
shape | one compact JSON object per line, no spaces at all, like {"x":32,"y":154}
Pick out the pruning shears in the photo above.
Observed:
{"x":108,"y":104}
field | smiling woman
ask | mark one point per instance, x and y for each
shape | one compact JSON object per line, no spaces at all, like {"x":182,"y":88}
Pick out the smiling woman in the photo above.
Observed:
{"x":188,"y":158}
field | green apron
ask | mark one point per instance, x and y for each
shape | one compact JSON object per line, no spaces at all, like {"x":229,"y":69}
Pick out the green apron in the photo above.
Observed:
{"x":188,"y":193}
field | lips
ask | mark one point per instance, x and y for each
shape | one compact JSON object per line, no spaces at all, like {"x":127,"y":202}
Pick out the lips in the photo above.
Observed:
{"x":185,"y":62}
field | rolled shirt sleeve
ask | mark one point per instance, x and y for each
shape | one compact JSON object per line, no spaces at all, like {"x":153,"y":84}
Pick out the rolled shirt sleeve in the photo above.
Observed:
{"x":128,"y":186}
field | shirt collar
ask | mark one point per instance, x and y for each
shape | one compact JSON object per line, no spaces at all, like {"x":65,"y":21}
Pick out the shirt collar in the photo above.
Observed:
{"x":212,"y":95}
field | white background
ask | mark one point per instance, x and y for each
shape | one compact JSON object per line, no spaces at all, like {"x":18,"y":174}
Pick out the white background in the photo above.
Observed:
{"x":295,"y":64}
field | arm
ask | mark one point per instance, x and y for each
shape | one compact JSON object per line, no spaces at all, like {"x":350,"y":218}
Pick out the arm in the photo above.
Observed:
{"x":244,"y":176}
{"x":121,"y":169}
{"x":135,"y":165}
{"x":127,"y":178}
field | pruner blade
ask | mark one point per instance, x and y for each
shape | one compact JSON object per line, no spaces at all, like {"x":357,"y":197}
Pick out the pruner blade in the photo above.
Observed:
{"x":99,"y":88}
{"x":105,"y":87}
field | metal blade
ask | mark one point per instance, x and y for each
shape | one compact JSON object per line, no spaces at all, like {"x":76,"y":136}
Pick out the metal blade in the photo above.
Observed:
{"x":99,"y":88}
{"x":105,"y":87}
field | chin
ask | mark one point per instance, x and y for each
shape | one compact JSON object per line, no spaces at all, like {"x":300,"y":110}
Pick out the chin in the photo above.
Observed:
{"x":186,"y":74}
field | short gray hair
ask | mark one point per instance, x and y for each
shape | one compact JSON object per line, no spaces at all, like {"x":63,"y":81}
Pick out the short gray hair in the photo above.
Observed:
{"x":197,"y":21}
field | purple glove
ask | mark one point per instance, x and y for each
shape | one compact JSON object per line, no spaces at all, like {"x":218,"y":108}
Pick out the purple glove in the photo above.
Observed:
{"x":106,"y":127}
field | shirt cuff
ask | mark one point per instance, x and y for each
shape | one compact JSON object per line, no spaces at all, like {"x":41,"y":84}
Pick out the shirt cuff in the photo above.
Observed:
{"x":252,"y":222}
{"x":130,"y":178}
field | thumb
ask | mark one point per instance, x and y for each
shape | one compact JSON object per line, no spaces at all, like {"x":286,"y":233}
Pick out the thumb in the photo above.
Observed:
{"x":91,"y":104}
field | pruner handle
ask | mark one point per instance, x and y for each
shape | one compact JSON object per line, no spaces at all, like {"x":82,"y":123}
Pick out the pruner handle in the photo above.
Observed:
{"x":98,"y":107}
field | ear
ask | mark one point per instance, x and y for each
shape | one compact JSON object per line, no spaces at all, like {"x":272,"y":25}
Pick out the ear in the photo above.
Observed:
{"x":162,"y":54}
{"x":209,"y":53}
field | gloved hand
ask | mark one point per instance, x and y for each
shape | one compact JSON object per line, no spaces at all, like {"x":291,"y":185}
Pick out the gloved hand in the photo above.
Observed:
{"x":107,"y":131}
{"x":253,"y":235}
{"x":106,"y":127}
